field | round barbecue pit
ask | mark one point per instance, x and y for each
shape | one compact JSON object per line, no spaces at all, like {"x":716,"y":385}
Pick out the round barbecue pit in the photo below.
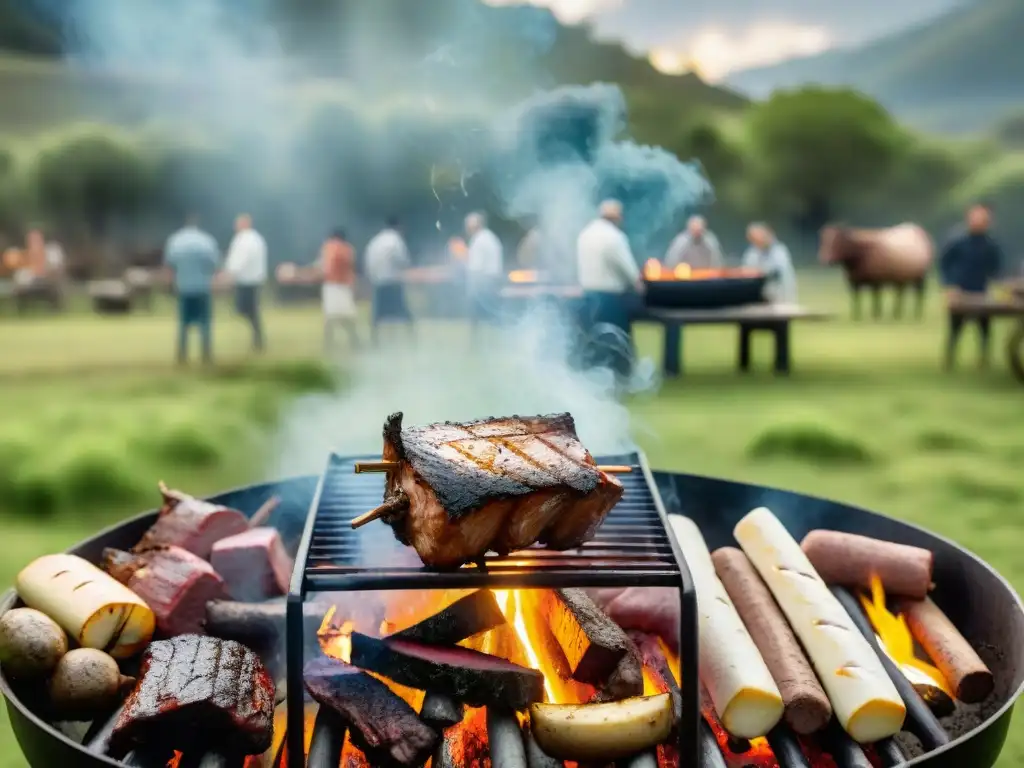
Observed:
{"x":982,"y":605}
{"x":703,"y":289}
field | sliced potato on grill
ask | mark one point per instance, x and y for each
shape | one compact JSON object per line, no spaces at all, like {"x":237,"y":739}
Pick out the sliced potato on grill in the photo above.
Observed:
{"x":602,"y":732}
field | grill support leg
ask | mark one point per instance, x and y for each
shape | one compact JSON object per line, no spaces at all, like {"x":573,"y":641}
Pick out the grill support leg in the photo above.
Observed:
{"x":295,"y":736}
{"x":692,"y":721}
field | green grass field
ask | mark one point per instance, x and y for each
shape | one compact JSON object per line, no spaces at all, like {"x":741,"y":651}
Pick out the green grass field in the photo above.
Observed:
{"x":93,"y":414}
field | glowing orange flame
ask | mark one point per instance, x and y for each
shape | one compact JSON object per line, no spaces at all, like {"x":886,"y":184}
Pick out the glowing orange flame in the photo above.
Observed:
{"x":895,"y":635}
{"x":522,"y":276}
{"x":175,"y":760}
{"x":654,"y":270}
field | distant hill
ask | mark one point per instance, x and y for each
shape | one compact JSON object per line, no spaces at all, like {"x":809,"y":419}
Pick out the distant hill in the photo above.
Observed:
{"x":386,"y":47}
{"x":958,"y":72}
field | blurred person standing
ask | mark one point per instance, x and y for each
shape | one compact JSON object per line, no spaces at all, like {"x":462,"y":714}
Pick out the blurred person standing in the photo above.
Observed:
{"x":484,"y":268}
{"x":193,"y":257}
{"x":769,"y":256}
{"x":387,"y":257}
{"x":337,"y":268}
{"x":247,"y":266}
{"x":970,"y":261}
{"x":696,"y":246}
{"x":610,"y":279}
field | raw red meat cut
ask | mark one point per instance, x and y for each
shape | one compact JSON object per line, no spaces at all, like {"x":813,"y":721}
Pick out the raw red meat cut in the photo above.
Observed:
{"x":253,"y":564}
{"x":191,"y":524}
{"x":172,"y":581}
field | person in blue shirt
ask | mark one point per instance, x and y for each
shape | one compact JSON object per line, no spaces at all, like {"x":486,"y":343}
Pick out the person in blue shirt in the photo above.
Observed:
{"x":969,"y":263}
{"x":193,"y":257}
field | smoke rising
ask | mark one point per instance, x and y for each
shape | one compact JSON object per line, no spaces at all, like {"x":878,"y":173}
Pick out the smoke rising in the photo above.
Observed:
{"x":550,"y":159}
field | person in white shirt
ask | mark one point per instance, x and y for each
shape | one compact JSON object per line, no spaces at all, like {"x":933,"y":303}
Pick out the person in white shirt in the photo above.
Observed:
{"x":387,"y":258}
{"x":611,"y":279}
{"x":696,"y":247}
{"x":246,"y":265}
{"x":484,"y":267}
{"x":772,"y":258}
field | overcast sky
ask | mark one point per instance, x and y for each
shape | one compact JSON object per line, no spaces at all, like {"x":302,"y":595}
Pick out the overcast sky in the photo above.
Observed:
{"x":720,"y":36}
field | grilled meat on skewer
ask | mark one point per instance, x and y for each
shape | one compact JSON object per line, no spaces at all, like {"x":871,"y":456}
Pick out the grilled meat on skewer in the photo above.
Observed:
{"x":462,"y":489}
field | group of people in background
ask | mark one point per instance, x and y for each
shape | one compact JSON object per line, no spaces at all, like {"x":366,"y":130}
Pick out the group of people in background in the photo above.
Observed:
{"x":605,"y":269}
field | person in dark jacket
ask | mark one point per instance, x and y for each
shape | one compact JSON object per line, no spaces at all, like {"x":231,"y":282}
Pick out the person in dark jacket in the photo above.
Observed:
{"x":971,"y":260}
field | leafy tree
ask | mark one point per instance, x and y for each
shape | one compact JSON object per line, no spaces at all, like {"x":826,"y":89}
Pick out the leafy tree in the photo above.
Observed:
{"x":815,"y":150}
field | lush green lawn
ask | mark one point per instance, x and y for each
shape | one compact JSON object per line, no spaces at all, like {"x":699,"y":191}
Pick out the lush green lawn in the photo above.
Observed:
{"x":93,"y":414}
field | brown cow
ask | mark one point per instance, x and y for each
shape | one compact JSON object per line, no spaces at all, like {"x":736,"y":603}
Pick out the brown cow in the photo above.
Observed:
{"x":899,"y":256}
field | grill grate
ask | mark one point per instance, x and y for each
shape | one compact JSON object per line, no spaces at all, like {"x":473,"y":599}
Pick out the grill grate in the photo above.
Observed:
{"x":632,"y":548}
{"x":632,"y":544}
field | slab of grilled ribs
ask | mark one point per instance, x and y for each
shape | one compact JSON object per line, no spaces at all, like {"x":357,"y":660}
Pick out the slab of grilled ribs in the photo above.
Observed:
{"x":198,"y":693}
{"x":493,"y":485}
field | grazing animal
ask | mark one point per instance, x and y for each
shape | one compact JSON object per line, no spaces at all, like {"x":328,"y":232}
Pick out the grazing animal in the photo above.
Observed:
{"x":899,"y":256}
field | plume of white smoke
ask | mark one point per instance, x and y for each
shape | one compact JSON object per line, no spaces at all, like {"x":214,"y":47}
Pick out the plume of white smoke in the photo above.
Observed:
{"x":552,"y":158}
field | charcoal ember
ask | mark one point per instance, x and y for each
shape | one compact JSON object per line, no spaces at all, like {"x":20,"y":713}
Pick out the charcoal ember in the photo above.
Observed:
{"x":469,"y":615}
{"x":253,"y":564}
{"x":199,"y":694}
{"x":172,"y":581}
{"x":380,"y":722}
{"x":190,"y":523}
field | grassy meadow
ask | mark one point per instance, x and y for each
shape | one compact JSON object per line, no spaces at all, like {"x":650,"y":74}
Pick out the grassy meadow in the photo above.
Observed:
{"x":94,"y":413}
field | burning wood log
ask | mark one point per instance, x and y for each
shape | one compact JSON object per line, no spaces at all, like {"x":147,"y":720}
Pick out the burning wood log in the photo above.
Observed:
{"x":863,"y":696}
{"x":505,"y":738}
{"x":786,"y":748}
{"x":537,"y":757}
{"x":175,"y":584}
{"x":445,"y":755}
{"x":258,"y":624}
{"x":475,"y":678}
{"x":807,"y":706}
{"x":469,"y":615}
{"x":592,"y":643}
{"x":844,"y":750}
{"x":653,"y":659}
{"x":745,"y":697}
{"x":889,"y":752}
{"x":647,"y":759}
{"x":921,"y":720}
{"x":969,"y":677}
{"x":850,"y":561}
{"x":328,"y":740}
{"x":626,"y":680}
{"x":440,"y":711}
{"x":710,"y":753}
{"x":380,"y":723}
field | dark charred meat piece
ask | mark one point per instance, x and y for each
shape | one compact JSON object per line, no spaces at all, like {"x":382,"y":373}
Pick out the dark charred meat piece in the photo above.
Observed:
{"x":191,"y":524}
{"x":477,"y":679}
{"x":469,"y":615}
{"x":380,"y":723}
{"x":497,"y":484}
{"x":198,"y":693}
{"x":172,"y":581}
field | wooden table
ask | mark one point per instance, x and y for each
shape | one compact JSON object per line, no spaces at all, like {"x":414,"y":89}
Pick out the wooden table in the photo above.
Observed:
{"x":771,"y":318}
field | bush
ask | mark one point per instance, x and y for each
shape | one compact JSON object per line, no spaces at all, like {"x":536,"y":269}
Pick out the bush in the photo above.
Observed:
{"x":940,"y":440}
{"x":810,"y":442}
{"x":184,"y":444}
{"x":973,"y":487}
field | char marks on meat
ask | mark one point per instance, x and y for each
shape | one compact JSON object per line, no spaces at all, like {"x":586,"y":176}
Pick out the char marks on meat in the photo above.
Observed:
{"x":198,"y":693}
{"x":497,"y":484}
{"x":383,"y":725}
{"x":191,"y":524}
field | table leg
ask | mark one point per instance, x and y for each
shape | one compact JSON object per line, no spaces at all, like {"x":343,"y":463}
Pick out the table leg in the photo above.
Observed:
{"x":746,"y":332}
{"x":672,"y":356}
{"x":782,"y":361}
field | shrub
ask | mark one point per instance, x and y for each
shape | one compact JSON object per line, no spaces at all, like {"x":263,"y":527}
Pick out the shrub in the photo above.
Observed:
{"x":810,"y":442}
{"x":939,"y":440}
{"x":975,"y":487}
{"x":184,"y":444}
{"x":92,"y":477}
